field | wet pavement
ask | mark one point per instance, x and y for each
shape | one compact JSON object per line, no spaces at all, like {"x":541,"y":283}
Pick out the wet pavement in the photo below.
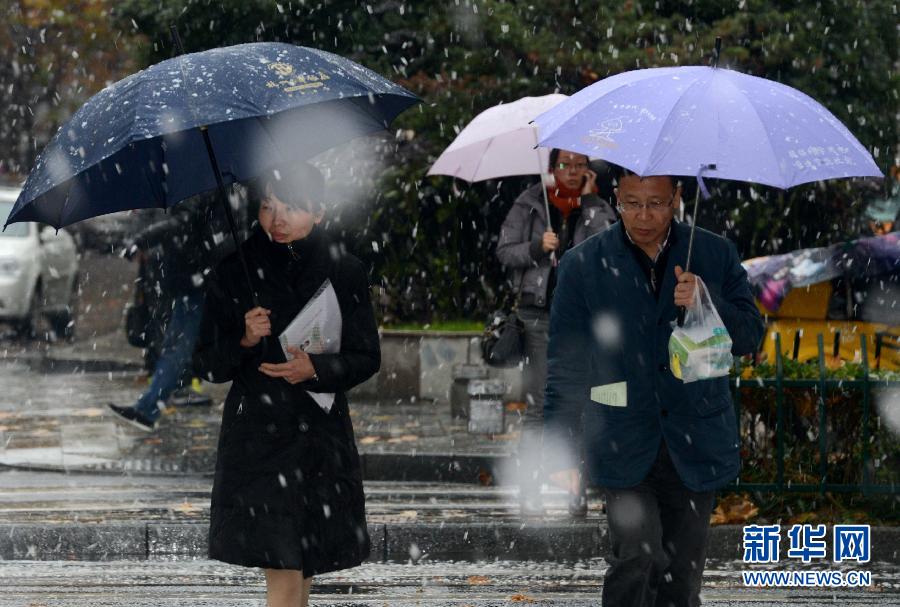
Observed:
{"x":80,"y":492}
{"x":56,"y":516}
{"x":499,"y":583}
{"x":53,"y":417}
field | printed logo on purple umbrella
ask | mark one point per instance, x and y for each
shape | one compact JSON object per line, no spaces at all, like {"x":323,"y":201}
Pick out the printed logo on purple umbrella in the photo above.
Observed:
{"x":602,"y":136}
{"x":291,"y":82}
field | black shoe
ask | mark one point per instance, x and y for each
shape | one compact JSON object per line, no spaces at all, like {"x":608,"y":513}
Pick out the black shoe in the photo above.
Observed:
{"x":578,"y":505}
{"x":184,"y":397}
{"x":131,"y":416}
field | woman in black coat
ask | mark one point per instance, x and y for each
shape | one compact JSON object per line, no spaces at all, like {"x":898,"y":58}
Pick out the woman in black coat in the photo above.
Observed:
{"x":288,"y":494}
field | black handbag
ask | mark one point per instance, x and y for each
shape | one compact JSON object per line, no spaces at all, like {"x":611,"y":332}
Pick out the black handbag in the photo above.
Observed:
{"x":503,"y":342}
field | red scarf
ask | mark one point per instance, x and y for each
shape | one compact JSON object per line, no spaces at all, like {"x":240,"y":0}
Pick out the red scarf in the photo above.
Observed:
{"x":564,"y":199}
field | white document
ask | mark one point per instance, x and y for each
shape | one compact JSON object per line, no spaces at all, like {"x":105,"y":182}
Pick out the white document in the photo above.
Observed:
{"x":316,"y":330}
{"x":613,"y":395}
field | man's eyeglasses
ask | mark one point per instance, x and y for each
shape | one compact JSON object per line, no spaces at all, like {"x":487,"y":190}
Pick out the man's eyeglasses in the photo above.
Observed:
{"x":656,"y":207}
{"x":572,"y":166}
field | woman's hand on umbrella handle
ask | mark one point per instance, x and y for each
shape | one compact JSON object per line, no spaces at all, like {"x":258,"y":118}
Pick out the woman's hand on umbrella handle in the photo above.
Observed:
{"x":256,"y":326}
{"x":294,"y":371}
{"x":550,"y":241}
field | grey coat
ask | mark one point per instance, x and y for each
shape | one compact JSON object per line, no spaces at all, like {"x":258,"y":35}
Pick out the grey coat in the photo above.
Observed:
{"x":519,"y":247}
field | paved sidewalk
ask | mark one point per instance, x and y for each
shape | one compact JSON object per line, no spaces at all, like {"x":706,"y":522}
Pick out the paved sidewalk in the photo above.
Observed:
{"x":53,"y":417}
{"x":485,"y":584}
{"x":55,"y":516}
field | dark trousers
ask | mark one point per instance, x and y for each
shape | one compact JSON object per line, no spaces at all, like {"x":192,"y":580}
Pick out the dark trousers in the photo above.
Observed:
{"x":175,"y":355}
{"x":534,"y":377}
{"x":658,"y":530}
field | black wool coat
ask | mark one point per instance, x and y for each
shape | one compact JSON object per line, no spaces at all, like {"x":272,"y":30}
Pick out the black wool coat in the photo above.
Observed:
{"x":288,"y":488}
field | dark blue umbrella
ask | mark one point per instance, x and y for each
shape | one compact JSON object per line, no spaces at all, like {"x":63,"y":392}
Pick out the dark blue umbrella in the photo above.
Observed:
{"x":202,"y":120}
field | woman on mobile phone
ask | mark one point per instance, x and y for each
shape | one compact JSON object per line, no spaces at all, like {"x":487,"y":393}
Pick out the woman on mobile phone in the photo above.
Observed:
{"x":287,"y":495}
{"x":530,"y":246}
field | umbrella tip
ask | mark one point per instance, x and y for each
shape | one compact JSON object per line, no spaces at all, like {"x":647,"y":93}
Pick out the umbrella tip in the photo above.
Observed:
{"x":717,"y":51}
{"x":176,"y":39}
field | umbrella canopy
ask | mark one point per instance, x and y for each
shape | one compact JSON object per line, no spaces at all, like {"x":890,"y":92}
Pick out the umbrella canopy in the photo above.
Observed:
{"x":499,"y":142}
{"x":147,"y":140}
{"x":773,"y":277}
{"x":681,"y":120}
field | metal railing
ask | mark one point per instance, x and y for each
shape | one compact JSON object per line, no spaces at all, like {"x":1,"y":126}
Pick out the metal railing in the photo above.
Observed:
{"x":821,"y":386}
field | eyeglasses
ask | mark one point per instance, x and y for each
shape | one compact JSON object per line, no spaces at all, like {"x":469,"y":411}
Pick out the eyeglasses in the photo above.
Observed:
{"x":654,"y":207}
{"x":571,"y":166}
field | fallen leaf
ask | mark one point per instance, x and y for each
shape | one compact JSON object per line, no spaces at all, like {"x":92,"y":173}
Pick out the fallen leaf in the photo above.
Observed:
{"x":186,"y":508}
{"x":734,"y":509}
{"x":478,"y":580}
{"x":368,"y":440}
{"x":521,"y":598}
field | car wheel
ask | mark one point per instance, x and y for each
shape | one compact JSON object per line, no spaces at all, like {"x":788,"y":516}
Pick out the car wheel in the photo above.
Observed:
{"x":63,"y":323}
{"x":30,"y":326}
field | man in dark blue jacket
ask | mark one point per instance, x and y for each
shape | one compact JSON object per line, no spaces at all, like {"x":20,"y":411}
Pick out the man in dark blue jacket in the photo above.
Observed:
{"x":658,"y":447}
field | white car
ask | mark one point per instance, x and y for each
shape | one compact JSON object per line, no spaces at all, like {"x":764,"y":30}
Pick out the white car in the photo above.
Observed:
{"x":38,"y":274}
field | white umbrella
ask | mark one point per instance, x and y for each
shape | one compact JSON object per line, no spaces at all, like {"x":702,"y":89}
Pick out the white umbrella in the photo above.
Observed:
{"x":499,"y":142}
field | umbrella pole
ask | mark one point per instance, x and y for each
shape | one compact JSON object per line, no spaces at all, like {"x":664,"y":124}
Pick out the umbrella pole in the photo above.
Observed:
{"x":220,"y":184}
{"x":223,"y":198}
{"x":544,"y":190}
{"x":687,"y":265}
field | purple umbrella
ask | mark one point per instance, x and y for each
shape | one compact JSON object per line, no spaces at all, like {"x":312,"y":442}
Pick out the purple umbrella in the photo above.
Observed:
{"x":706,"y":122}
{"x":773,"y":277}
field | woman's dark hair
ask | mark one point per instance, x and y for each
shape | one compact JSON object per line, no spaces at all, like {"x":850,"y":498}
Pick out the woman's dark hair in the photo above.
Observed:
{"x":300,"y":186}
{"x":554,"y":157}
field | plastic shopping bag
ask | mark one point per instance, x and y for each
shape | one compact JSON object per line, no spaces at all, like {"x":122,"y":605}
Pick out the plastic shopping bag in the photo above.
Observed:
{"x":701,"y":349}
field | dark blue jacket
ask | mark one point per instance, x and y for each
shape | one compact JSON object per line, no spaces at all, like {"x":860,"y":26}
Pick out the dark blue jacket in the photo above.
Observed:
{"x":606,"y":327}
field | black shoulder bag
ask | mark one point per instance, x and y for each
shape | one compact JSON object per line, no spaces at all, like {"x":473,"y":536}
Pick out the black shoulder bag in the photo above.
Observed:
{"x":503,"y":341}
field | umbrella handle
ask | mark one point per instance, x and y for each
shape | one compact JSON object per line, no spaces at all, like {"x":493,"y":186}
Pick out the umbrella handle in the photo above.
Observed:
{"x":682,"y":311}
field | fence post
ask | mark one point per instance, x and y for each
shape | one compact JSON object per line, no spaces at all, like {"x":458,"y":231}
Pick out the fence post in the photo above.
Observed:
{"x":865,"y":420}
{"x":823,"y":428}
{"x":879,"y":338}
{"x":736,"y":401}
{"x":779,"y":412}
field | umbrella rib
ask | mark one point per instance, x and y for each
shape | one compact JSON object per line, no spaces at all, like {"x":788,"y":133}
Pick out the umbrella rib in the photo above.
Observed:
{"x":762,"y":124}
{"x":670,"y":115}
{"x":481,"y":158}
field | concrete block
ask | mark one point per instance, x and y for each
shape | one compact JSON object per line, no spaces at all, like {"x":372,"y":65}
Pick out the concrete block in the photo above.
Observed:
{"x":85,"y":542}
{"x":488,"y":541}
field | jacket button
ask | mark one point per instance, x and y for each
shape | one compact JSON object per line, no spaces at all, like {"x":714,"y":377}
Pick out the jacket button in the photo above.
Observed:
{"x":664,"y":413}
{"x":663,"y":367}
{"x":304,"y":427}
